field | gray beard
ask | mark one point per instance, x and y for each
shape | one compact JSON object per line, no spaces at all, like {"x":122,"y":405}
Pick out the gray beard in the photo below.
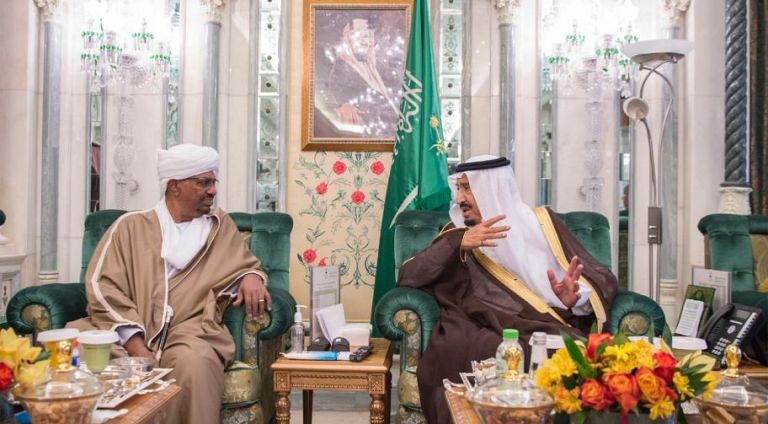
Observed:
{"x":470,"y":222}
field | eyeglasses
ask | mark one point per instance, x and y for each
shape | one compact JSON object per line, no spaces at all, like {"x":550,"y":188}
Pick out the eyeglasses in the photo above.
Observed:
{"x":204,"y":183}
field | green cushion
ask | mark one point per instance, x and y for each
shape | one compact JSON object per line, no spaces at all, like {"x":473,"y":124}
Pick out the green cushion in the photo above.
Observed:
{"x":593,"y":232}
{"x":270,"y":242}
{"x":414,"y":230}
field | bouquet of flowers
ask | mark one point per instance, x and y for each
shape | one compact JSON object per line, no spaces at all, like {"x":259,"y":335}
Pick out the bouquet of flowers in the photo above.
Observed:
{"x":619,"y":375}
{"x":18,"y":361}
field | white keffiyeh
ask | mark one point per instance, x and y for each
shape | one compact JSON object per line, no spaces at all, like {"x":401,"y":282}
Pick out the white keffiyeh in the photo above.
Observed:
{"x":524,"y":251}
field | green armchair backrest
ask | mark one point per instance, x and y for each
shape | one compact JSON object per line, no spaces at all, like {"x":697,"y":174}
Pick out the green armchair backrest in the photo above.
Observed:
{"x":269,"y":240}
{"x":729,"y":245}
{"x":414,"y":230}
{"x":95,"y":226}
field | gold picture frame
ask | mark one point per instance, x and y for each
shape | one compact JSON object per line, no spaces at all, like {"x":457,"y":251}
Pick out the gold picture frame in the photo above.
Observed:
{"x":354,"y":55}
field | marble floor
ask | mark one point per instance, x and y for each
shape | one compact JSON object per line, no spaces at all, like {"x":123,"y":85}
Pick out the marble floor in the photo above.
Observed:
{"x":342,"y":407}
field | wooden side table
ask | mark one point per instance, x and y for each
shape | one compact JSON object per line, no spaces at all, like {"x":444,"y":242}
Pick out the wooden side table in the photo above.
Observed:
{"x":370,"y":375}
{"x":144,"y":408}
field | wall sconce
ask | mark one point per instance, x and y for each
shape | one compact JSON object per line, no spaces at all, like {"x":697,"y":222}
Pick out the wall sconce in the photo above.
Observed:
{"x":651,"y":55}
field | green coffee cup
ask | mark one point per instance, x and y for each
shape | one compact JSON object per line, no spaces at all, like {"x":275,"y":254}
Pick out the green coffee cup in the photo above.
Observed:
{"x":95,"y":347}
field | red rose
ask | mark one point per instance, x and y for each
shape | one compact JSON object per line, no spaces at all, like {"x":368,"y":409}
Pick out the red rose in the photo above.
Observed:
{"x":665,"y":366}
{"x":339,"y":167}
{"x":322,"y":262}
{"x":377,"y":167}
{"x":6,"y":376}
{"x":358,"y":197}
{"x":594,"y":341}
{"x":309,"y":256}
{"x":321,"y":188}
{"x":594,"y":395}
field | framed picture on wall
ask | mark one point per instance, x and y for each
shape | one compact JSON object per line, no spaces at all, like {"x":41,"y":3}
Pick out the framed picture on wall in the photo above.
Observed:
{"x":353,"y":57}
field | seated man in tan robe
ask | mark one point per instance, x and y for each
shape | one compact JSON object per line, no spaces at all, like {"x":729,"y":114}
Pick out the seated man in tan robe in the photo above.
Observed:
{"x":499,"y":265}
{"x":162,"y":278}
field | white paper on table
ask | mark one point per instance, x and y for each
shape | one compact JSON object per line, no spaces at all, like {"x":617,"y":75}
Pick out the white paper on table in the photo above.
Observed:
{"x":688,"y":325}
{"x":332,"y":321}
{"x":716,"y":279}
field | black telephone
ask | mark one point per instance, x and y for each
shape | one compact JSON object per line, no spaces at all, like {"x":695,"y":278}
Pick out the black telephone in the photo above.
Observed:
{"x":732,"y":324}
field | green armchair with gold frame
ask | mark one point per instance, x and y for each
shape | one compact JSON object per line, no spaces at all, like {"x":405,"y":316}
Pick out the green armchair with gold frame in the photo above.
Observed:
{"x":408,"y":315}
{"x":248,"y":396}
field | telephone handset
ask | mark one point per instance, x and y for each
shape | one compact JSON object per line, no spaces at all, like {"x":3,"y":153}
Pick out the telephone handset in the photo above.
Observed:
{"x":732,"y":324}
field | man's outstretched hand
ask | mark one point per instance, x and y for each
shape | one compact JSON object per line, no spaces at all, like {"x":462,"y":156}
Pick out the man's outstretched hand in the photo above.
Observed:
{"x":484,"y":234}
{"x":567,"y":290}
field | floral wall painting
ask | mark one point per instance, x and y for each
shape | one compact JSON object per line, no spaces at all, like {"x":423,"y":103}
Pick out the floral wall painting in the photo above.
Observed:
{"x":354,"y":59}
{"x":343,"y":199}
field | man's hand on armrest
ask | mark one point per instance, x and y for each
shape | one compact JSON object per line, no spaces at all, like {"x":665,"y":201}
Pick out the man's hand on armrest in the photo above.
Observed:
{"x":135,"y":346}
{"x":254,"y":293}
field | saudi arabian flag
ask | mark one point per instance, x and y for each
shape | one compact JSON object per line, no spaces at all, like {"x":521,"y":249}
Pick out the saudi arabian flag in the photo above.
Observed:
{"x":419,"y":175}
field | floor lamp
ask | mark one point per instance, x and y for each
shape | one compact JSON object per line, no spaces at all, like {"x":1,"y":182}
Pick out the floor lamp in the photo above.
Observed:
{"x":652,"y":55}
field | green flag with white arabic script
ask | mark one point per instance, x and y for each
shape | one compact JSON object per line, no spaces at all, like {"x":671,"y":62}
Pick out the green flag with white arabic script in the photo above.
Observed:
{"x":419,"y":175}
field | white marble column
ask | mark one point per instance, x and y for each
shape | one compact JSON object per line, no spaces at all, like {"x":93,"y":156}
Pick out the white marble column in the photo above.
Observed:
{"x":49,"y":204}
{"x":506,"y":10}
{"x":668,"y":169}
{"x":211,"y":37}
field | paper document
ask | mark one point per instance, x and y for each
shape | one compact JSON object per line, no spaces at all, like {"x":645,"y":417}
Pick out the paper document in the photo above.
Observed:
{"x":688,"y":324}
{"x":331,"y":321}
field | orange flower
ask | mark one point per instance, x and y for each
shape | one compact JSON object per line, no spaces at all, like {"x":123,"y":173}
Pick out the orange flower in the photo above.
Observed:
{"x":652,"y":387}
{"x":594,"y":341}
{"x":665,"y":366}
{"x":594,"y":395}
{"x":624,"y":389}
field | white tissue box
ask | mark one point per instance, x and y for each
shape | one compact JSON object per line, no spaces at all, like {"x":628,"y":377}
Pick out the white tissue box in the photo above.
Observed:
{"x":357,"y":334}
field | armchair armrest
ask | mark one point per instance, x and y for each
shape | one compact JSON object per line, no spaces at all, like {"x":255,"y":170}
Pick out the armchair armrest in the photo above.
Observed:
{"x":63,"y":302}
{"x":404,"y":298}
{"x":626,"y":304}
{"x":280,"y":318}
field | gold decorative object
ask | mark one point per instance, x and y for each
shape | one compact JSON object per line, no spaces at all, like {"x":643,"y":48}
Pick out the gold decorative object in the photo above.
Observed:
{"x":736,"y":398}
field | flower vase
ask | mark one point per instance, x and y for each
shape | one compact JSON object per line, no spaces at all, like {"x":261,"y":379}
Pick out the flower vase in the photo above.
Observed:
{"x":6,"y":408}
{"x":611,"y":417}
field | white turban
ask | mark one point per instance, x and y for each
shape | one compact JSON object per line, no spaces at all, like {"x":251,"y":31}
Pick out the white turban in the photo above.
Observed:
{"x":184,"y":161}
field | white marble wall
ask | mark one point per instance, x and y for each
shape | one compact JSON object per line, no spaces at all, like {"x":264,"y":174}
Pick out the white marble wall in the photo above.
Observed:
{"x":701,"y":117}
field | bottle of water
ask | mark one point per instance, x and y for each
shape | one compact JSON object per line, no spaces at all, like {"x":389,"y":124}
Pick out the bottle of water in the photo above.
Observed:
{"x":509,"y":353}
{"x":538,"y":351}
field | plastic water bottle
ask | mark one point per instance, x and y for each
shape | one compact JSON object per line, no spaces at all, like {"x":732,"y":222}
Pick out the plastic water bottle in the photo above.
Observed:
{"x":538,"y":351}
{"x":509,"y":353}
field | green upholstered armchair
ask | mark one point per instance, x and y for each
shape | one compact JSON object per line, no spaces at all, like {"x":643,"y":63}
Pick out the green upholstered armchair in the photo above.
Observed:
{"x":248,"y":396}
{"x":408,"y":315}
{"x":739,"y":244}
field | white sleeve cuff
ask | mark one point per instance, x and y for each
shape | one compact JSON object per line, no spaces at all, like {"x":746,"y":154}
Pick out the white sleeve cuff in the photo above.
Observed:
{"x":582,"y":306}
{"x":125,"y":332}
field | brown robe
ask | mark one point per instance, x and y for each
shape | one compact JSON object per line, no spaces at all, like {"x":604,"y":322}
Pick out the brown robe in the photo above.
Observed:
{"x":126,"y":285}
{"x":477,"y":302}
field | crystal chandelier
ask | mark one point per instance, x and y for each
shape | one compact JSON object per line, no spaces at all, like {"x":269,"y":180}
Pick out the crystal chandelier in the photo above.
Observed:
{"x":118,"y":48}
{"x":583,"y":42}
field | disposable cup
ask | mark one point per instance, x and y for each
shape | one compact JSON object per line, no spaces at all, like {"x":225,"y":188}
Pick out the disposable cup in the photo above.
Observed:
{"x":59,"y":343}
{"x":95,"y":347}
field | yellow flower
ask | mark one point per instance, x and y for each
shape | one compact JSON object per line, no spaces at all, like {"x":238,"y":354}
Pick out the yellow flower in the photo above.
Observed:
{"x":568,"y":401}
{"x":711,"y":379}
{"x":433,"y":121}
{"x":547,"y":379}
{"x":662,"y":409}
{"x":33,"y":374}
{"x":562,"y":364}
{"x":682,"y":386}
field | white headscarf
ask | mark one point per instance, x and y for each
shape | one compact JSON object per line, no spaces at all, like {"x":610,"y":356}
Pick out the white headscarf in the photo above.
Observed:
{"x":184,"y":161}
{"x":524,"y":252}
{"x":183,"y":240}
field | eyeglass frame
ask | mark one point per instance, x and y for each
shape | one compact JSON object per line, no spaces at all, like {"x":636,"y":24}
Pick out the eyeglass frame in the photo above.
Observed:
{"x":203,"y":183}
